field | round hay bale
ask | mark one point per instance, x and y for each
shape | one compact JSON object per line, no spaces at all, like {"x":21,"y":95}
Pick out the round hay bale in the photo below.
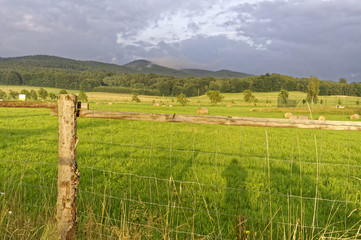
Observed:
{"x":202,"y":110}
{"x":288,"y":115}
{"x":354,"y":117}
{"x":321,"y":118}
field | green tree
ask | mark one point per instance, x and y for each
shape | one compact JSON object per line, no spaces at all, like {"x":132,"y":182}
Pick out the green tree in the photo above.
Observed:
{"x":313,"y":89}
{"x":248,"y":96}
{"x":215,"y":96}
{"x":182,"y":99}
{"x":13,"y":78}
{"x":52,"y":96}
{"x":63,"y":91}
{"x":342,"y":80}
{"x":26,"y":92}
{"x":43,"y":94}
{"x":89,"y":84}
{"x":283,"y":95}
{"x":13,"y":94}
{"x":82,"y":96}
{"x":135,"y":97}
{"x":33,"y":95}
{"x":2,"y":94}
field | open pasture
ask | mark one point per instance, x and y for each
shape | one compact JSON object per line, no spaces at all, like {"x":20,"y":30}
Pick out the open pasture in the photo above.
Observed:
{"x":150,"y":180}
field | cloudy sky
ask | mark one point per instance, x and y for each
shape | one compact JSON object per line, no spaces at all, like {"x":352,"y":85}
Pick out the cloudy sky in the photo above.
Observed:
{"x":293,"y":37}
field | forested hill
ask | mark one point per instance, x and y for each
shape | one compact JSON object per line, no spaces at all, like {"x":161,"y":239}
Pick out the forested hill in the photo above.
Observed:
{"x":138,"y":66}
{"x":217,"y":74}
{"x":144,"y":66}
{"x":147,"y":78}
{"x":57,"y":63}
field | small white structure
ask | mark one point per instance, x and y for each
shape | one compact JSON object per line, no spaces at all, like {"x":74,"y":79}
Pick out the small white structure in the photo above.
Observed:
{"x":22,"y":97}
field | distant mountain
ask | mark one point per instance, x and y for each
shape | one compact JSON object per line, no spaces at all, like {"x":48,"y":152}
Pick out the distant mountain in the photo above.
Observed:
{"x":217,"y":74}
{"x":144,"y":66}
{"x":32,"y":63}
{"x":53,"y":62}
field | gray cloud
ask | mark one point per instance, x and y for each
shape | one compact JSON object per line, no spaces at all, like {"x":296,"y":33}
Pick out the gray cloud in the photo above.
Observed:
{"x":299,"y":37}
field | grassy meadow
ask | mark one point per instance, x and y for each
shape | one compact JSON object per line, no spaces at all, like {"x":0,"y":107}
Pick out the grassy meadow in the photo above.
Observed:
{"x":151,"y":180}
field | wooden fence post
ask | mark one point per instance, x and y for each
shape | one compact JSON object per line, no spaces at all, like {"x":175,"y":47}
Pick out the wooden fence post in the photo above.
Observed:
{"x":68,"y":174}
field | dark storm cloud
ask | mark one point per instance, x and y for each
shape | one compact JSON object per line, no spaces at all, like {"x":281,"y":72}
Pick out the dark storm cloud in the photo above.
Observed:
{"x":300,"y":37}
{"x":309,"y":37}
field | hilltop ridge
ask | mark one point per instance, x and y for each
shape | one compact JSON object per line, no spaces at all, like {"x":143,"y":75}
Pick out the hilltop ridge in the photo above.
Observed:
{"x":138,"y":66}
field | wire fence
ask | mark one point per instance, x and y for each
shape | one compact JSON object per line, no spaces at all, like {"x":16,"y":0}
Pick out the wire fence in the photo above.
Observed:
{"x":152,"y":180}
{"x":28,"y":171}
{"x":186,"y":180}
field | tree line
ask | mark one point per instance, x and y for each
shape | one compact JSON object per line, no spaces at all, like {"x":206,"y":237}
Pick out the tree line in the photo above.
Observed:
{"x":155,"y":84}
{"x":41,"y":94}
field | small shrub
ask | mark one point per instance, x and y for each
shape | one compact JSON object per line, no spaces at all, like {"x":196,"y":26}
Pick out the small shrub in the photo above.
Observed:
{"x":135,"y":98}
{"x":43,"y":94}
{"x":52,"y":96}
{"x":82,"y":96}
{"x":215,"y":96}
{"x":182,"y":99}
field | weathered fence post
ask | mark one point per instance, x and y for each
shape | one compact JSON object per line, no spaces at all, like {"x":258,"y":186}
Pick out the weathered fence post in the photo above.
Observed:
{"x":68,"y":174}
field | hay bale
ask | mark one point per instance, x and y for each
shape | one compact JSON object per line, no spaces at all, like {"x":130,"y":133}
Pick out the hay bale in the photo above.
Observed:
{"x":229,"y":105}
{"x":202,"y":110}
{"x":170,"y":105}
{"x":321,"y":118}
{"x":299,"y":117}
{"x":354,"y":117}
{"x":288,"y":115}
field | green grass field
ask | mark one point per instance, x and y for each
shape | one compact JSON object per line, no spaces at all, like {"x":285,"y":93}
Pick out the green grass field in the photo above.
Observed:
{"x":150,"y":180}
